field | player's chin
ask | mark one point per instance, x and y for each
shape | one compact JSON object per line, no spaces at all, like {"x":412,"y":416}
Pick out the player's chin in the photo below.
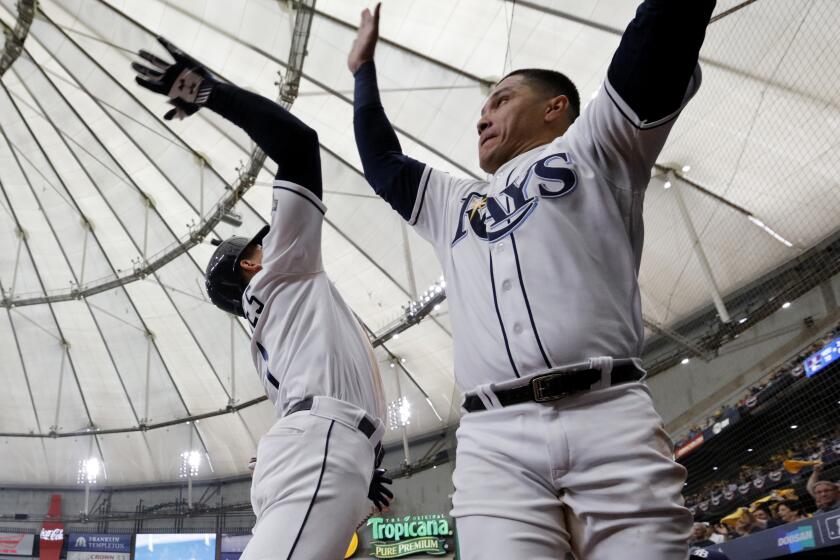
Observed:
{"x":487,"y":160}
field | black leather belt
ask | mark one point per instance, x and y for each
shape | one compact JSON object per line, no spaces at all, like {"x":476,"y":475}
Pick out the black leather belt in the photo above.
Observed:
{"x":365,"y":426}
{"x":553,"y":386}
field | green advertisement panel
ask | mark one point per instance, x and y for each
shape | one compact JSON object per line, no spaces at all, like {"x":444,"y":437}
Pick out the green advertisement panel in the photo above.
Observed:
{"x":396,"y":537}
{"x":428,"y":545}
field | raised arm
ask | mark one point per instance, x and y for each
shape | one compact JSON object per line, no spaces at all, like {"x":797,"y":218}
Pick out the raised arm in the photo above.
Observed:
{"x":393,"y":175}
{"x":657,"y":56}
{"x":652,"y":76}
{"x":291,"y":144}
{"x":284,"y":138}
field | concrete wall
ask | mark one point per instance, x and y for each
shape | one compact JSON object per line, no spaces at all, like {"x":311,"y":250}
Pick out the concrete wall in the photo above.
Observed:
{"x":687,"y":394}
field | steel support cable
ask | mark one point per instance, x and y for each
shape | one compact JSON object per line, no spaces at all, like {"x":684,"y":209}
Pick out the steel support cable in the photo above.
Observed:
{"x":53,"y":433}
{"x":102,"y":250}
{"x":207,"y":226}
{"x":376,"y":342}
{"x":128,"y":297}
{"x":189,"y":418}
{"x":16,"y":36}
{"x":289,"y":89}
{"x":63,"y":340}
{"x":320,"y":85}
{"x":167,"y":257}
{"x":87,"y":304}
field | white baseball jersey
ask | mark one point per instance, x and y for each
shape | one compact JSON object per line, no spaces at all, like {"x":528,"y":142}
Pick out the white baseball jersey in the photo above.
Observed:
{"x":541,"y":260}
{"x":305,"y":340}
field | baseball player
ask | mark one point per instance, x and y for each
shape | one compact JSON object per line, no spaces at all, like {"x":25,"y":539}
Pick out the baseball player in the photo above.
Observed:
{"x":317,"y":463}
{"x":560,"y":451}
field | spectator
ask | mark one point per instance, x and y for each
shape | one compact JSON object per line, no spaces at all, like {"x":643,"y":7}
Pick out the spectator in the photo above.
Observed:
{"x":746,"y":525}
{"x":825,"y":493}
{"x":790,"y":511}
{"x":720,"y":532}
{"x":700,"y":535}
{"x":764,"y":518}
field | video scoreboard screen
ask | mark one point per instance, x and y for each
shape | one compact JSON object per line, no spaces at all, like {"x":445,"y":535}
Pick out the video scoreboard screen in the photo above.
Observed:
{"x":818,"y":361}
{"x":180,"y":546}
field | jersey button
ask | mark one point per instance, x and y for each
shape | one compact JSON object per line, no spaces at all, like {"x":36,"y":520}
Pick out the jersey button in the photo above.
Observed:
{"x":517,"y":328}
{"x":500,"y":246}
{"x":506,"y":285}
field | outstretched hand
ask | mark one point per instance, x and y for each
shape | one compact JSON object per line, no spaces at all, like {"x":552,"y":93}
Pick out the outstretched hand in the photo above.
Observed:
{"x":366,"y":38}
{"x":186,"y":81}
{"x":378,"y":493}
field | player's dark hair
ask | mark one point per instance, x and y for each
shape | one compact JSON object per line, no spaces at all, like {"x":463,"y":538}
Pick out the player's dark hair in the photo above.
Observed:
{"x":552,"y":83}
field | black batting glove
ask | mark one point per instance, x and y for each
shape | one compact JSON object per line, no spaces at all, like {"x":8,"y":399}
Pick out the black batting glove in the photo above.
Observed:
{"x":378,"y":492}
{"x":186,"y":82}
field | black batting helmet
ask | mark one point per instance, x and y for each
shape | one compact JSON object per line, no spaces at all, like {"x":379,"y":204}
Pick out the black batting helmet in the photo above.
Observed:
{"x":223,"y":277}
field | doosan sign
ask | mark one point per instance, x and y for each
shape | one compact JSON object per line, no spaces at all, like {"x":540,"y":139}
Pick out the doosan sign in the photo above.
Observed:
{"x":413,"y":534}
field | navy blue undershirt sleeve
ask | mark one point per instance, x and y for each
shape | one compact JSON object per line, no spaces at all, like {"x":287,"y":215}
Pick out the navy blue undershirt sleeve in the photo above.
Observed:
{"x":284,"y":138}
{"x":394,"y":176}
{"x":657,"y":56}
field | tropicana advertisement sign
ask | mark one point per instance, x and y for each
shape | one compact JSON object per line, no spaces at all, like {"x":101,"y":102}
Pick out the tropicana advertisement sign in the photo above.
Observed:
{"x":395,"y":537}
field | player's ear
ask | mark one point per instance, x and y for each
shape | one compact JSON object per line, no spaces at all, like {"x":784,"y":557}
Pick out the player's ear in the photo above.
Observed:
{"x":250,"y":265}
{"x":557,"y":108}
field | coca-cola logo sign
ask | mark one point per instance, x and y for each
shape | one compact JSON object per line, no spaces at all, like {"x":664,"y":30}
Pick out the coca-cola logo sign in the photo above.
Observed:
{"x":52,"y":534}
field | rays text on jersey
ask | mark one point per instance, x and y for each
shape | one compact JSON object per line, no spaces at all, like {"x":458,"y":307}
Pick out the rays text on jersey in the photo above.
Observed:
{"x":493,"y":217}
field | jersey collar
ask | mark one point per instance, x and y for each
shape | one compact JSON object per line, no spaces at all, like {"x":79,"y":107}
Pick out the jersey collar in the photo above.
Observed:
{"x":512,"y":164}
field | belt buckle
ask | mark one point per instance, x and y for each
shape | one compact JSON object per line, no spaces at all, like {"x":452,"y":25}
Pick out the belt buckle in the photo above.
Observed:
{"x":539,"y":390}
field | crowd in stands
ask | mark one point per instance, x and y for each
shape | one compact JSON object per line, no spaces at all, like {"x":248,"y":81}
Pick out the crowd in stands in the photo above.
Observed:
{"x":778,"y":379}
{"x":816,"y":450}
{"x":781,"y":506}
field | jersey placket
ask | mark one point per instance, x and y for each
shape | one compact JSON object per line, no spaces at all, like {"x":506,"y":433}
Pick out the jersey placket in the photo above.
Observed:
{"x":512,"y":309}
{"x":512,"y":305}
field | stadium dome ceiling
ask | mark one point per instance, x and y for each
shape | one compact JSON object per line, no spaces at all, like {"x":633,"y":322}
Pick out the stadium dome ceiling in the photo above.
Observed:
{"x":95,"y":188}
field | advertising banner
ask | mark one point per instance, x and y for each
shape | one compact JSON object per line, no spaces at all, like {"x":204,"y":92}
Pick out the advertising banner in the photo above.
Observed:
{"x":16,"y":544}
{"x":396,"y":537}
{"x":96,"y":546}
{"x":820,"y":531}
{"x":690,"y":446}
{"x":52,"y":532}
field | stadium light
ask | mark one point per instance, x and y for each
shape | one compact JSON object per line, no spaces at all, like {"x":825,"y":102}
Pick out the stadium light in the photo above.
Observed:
{"x":750,"y":450}
{"x":399,"y":413}
{"x":793,"y":426}
{"x":190,"y":463}
{"x":88,"y":471}
{"x":714,"y":468}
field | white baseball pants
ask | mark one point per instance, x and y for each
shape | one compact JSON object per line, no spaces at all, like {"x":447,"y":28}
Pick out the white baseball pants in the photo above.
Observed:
{"x":310,"y":485}
{"x":589,"y":477}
